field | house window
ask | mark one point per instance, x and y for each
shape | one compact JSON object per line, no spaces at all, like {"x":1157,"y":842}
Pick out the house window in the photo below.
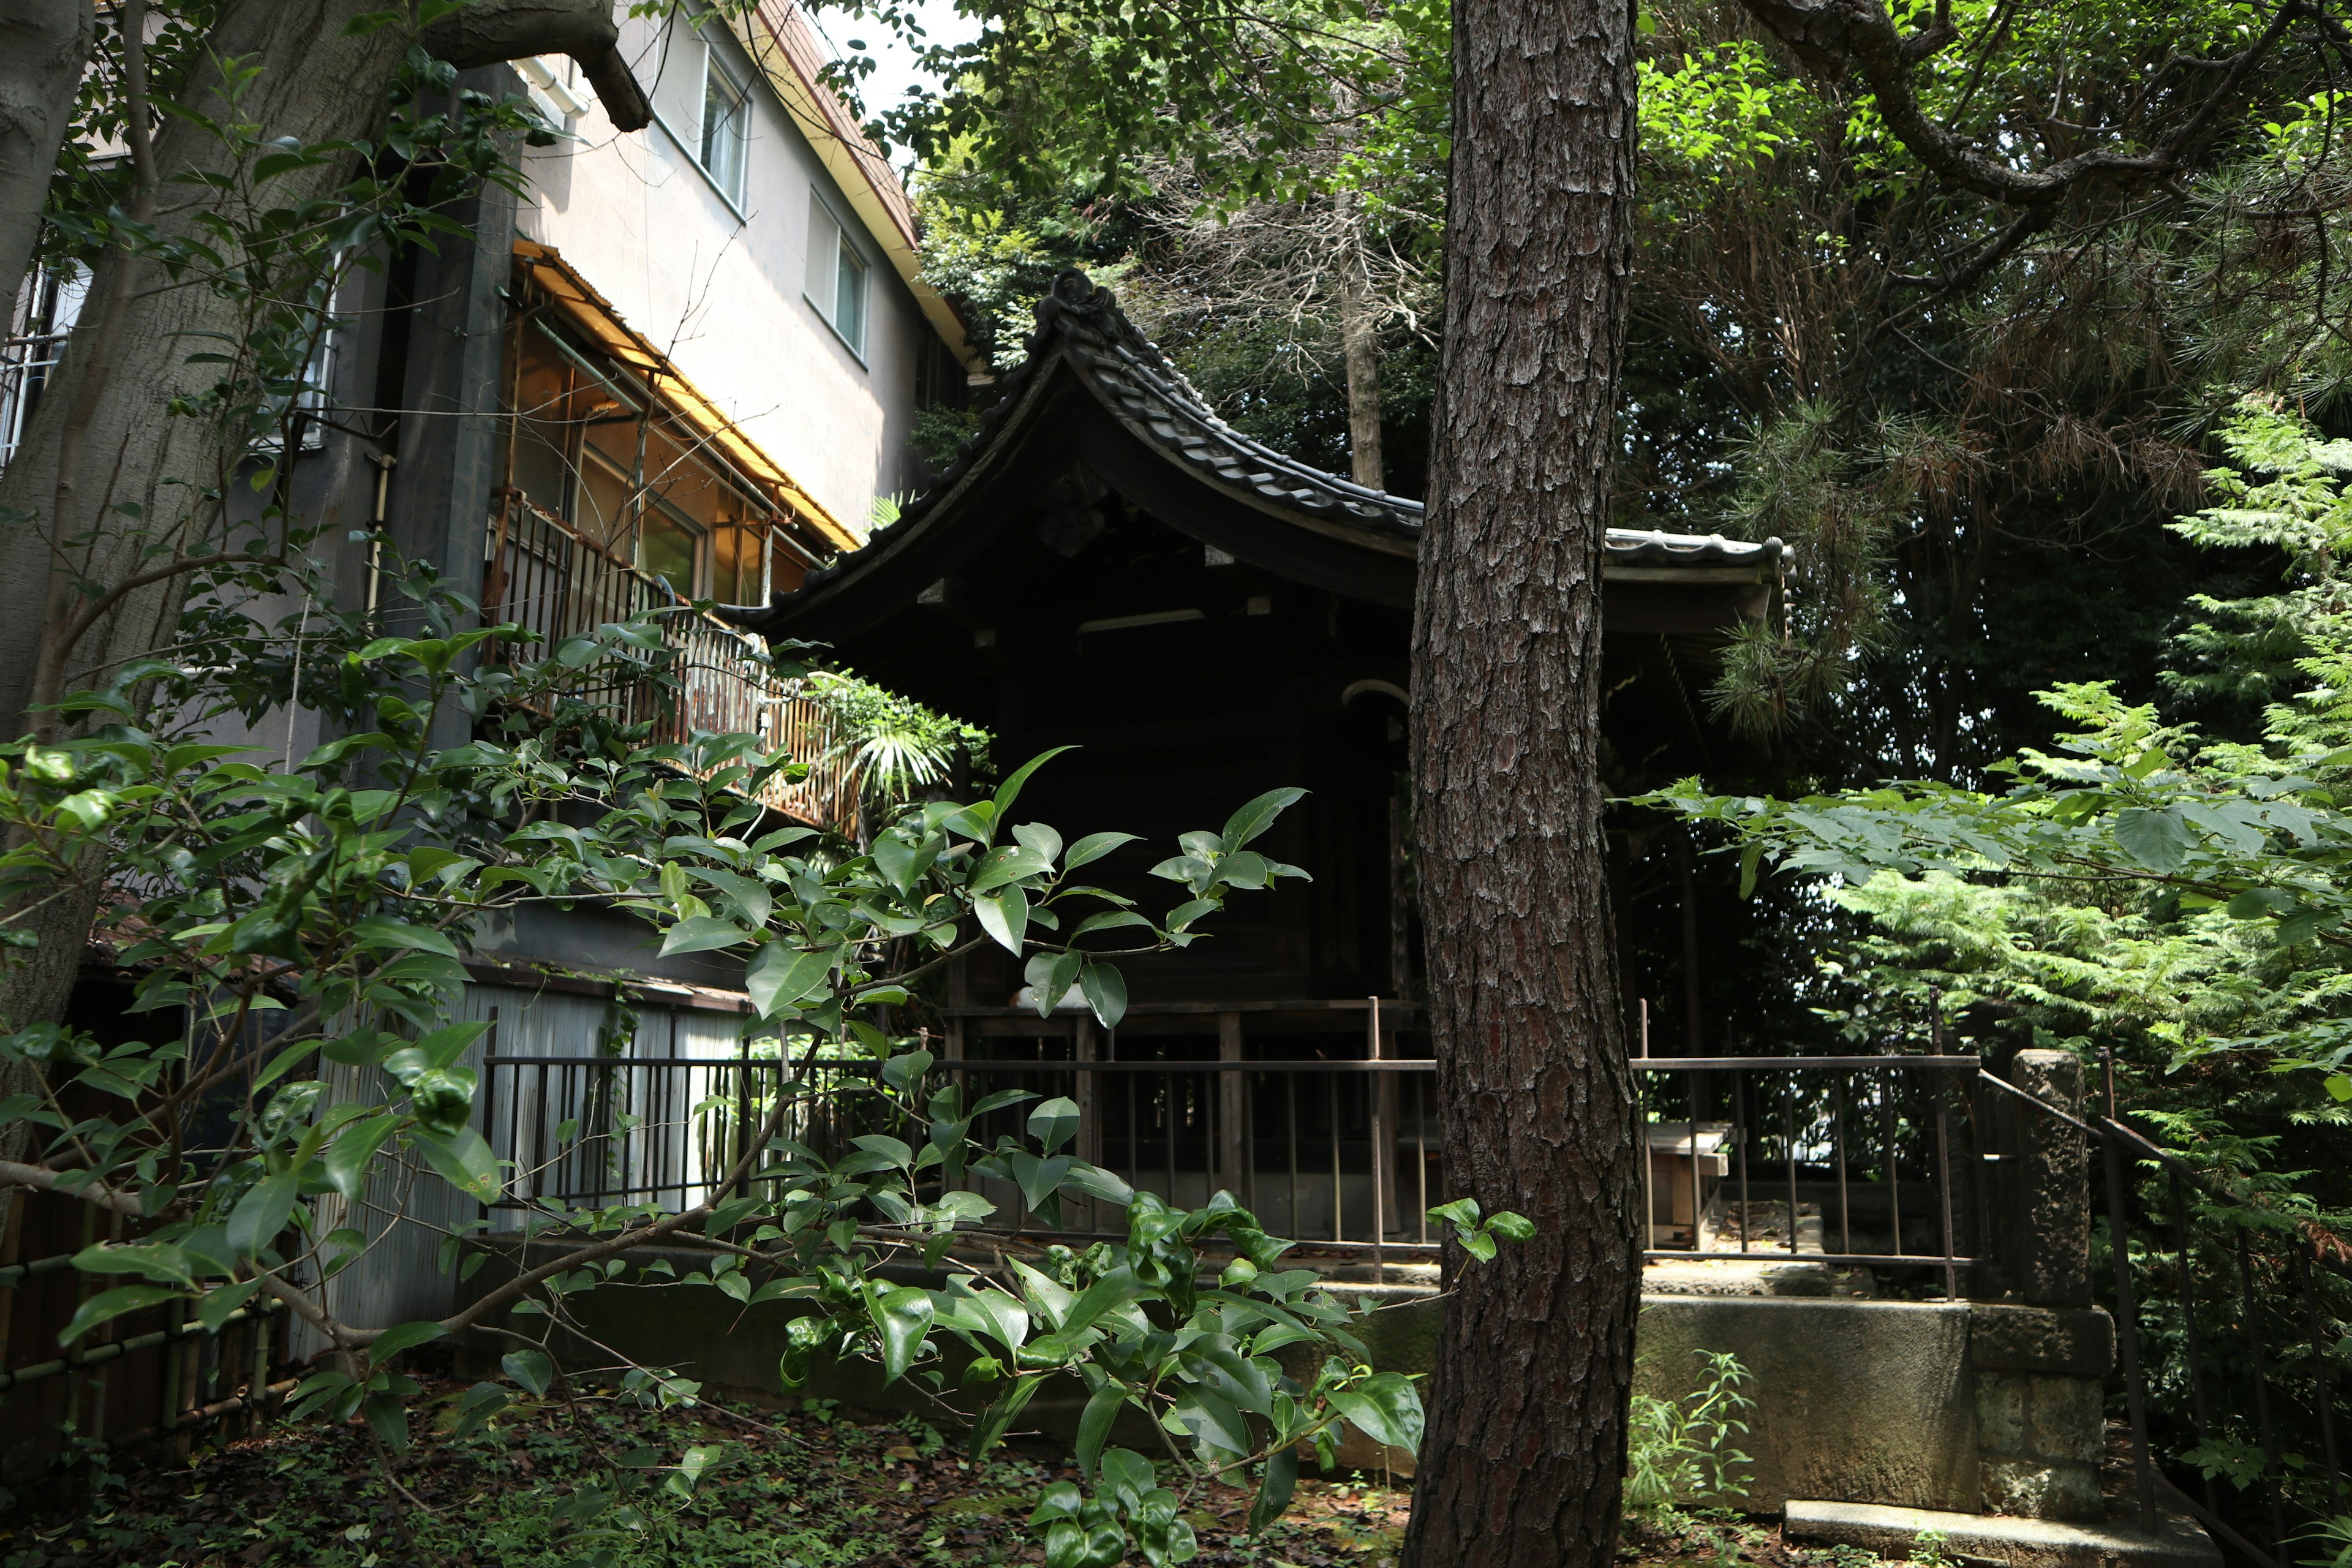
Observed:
{"x":671,"y":547}
{"x":726,"y":126}
{"x":837,"y":275}
{"x":46,"y":307}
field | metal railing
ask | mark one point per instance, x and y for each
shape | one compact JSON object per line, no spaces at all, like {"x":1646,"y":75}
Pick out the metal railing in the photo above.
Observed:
{"x":2233,"y":1334}
{"x":604,"y":1131}
{"x":1335,"y":1155}
{"x":550,"y":578}
{"x":1340,"y":1154}
{"x":1847,"y":1162}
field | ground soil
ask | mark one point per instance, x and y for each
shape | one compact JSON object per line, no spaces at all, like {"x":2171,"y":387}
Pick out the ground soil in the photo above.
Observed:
{"x":809,"y":1488}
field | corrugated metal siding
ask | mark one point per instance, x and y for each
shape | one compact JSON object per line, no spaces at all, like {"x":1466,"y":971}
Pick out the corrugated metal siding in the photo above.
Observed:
{"x":399,"y":1278}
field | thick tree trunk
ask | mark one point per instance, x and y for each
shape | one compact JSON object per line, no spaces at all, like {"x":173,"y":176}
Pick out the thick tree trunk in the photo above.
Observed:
{"x":104,"y":446}
{"x":44,"y":46}
{"x":1358,"y":338}
{"x":1523,"y":1457}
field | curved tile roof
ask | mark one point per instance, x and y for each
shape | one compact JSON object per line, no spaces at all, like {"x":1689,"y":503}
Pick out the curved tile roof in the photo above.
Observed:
{"x":1080,"y":323}
{"x":1155,"y":400}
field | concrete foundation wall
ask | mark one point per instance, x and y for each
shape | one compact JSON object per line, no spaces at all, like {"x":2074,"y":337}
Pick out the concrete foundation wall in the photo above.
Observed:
{"x":1855,"y":1401}
{"x":1954,"y":1406}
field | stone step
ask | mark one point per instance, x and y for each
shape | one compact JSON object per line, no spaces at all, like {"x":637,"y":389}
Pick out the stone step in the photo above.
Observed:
{"x":1895,"y":1533}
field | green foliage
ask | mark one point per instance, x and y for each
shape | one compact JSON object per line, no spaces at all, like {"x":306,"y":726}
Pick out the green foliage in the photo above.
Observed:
{"x":899,"y":748}
{"x":1680,"y":1452}
{"x":322,"y":907}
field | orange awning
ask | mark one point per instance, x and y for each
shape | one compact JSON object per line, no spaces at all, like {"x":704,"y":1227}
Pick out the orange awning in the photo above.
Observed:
{"x":593,"y":317}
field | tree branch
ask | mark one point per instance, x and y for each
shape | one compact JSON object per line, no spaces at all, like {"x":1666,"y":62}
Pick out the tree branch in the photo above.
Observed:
{"x":40,"y":1178}
{"x":489,"y":32}
{"x":1834,"y":37}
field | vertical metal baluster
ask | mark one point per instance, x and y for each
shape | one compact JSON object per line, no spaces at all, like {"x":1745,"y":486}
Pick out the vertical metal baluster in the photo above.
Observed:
{"x":489,"y":1106}
{"x":1290,"y":1145}
{"x":2262,"y":1394}
{"x":1789,"y":1124}
{"x":1167,"y":1120}
{"x":1421,"y":1152}
{"x":1690,"y":1092}
{"x":1740,"y":1125}
{"x":743,"y":1124}
{"x":1642,"y":1084}
{"x":1944,"y":1186}
{"x":1249,"y":1133}
{"x":1837,"y":1141}
{"x":1211,"y":1085}
{"x":1338,"y":1225}
{"x":1893,"y":1174}
{"x":2127,"y":1328}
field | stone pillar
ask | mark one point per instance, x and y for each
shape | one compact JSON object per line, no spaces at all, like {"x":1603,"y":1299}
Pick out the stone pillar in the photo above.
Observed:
{"x":2041,"y":1357}
{"x":2040,"y":1409}
{"x":2051,"y":1187}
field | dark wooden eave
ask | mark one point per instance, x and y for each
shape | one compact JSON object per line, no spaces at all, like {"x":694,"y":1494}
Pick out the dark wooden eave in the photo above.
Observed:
{"x":1095,"y":397}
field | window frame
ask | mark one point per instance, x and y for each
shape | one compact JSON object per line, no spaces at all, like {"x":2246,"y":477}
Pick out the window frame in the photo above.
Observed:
{"x":716,"y":67}
{"x":683,"y":26}
{"x":844,"y":247}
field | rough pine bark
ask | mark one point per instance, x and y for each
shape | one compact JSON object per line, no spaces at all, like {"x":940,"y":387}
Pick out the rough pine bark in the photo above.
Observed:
{"x":1524,"y":1448}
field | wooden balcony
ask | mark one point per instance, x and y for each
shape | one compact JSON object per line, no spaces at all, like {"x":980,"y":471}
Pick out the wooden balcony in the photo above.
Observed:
{"x":550,"y":578}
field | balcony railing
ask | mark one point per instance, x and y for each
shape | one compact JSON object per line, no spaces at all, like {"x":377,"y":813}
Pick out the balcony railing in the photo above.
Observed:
{"x":552,"y":579}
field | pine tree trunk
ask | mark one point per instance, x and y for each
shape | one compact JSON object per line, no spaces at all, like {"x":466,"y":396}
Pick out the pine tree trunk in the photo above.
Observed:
{"x":1525,"y":1449}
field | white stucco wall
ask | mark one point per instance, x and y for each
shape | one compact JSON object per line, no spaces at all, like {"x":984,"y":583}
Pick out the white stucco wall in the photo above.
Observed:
{"x":721,"y":289}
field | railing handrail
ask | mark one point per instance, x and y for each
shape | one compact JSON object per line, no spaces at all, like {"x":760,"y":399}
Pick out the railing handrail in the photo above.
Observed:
{"x":1287,"y":1064}
{"x":725,"y":682}
{"x":1778,"y":1064}
{"x":995,"y":1064}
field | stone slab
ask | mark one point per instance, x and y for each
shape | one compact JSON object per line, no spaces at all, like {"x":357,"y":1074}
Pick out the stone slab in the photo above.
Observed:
{"x":2071,"y":1341}
{"x":1857,"y":1401}
{"x":1895,"y":1533}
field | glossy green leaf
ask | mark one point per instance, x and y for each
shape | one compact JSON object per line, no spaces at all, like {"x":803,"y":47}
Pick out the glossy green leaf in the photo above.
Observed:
{"x":349,"y":1156}
{"x":1385,"y":1408}
{"x":1094,"y":847}
{"x":262,"y":1212}
{"x":463,"y":1159}
{"x":1004,"y":915}
{"x":703,"y":934}
{"x":107,"y":1305}
{"x":1009,"y":790}
{"x":1095,"y":1424}
{"x":998,"y":1418}
{"x":530,"y":1368}
{"x":394,"y":1340}
{"x":1277,"y":1481}
{"x":1105,"y":989}
{"x":1054,"y":1124}
{"x":1255,"y":816}
{"x":902,"y":1317}
{"x":780,"y":976}
{"x":215,"y":1306}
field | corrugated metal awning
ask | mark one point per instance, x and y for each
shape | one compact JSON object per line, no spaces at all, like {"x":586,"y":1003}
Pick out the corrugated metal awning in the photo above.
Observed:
{"x":593,"y":317}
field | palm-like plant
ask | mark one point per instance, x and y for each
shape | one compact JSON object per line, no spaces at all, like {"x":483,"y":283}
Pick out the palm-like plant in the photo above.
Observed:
{"x":899,"y":747}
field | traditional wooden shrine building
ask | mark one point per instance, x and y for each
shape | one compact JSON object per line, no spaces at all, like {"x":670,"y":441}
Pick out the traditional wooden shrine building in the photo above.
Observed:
{"x":1109,"y":566}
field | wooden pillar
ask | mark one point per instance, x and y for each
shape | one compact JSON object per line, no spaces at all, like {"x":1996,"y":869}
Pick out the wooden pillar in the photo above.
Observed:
{"x":1232,"y":1140}
{"x":1383,"y":1100}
